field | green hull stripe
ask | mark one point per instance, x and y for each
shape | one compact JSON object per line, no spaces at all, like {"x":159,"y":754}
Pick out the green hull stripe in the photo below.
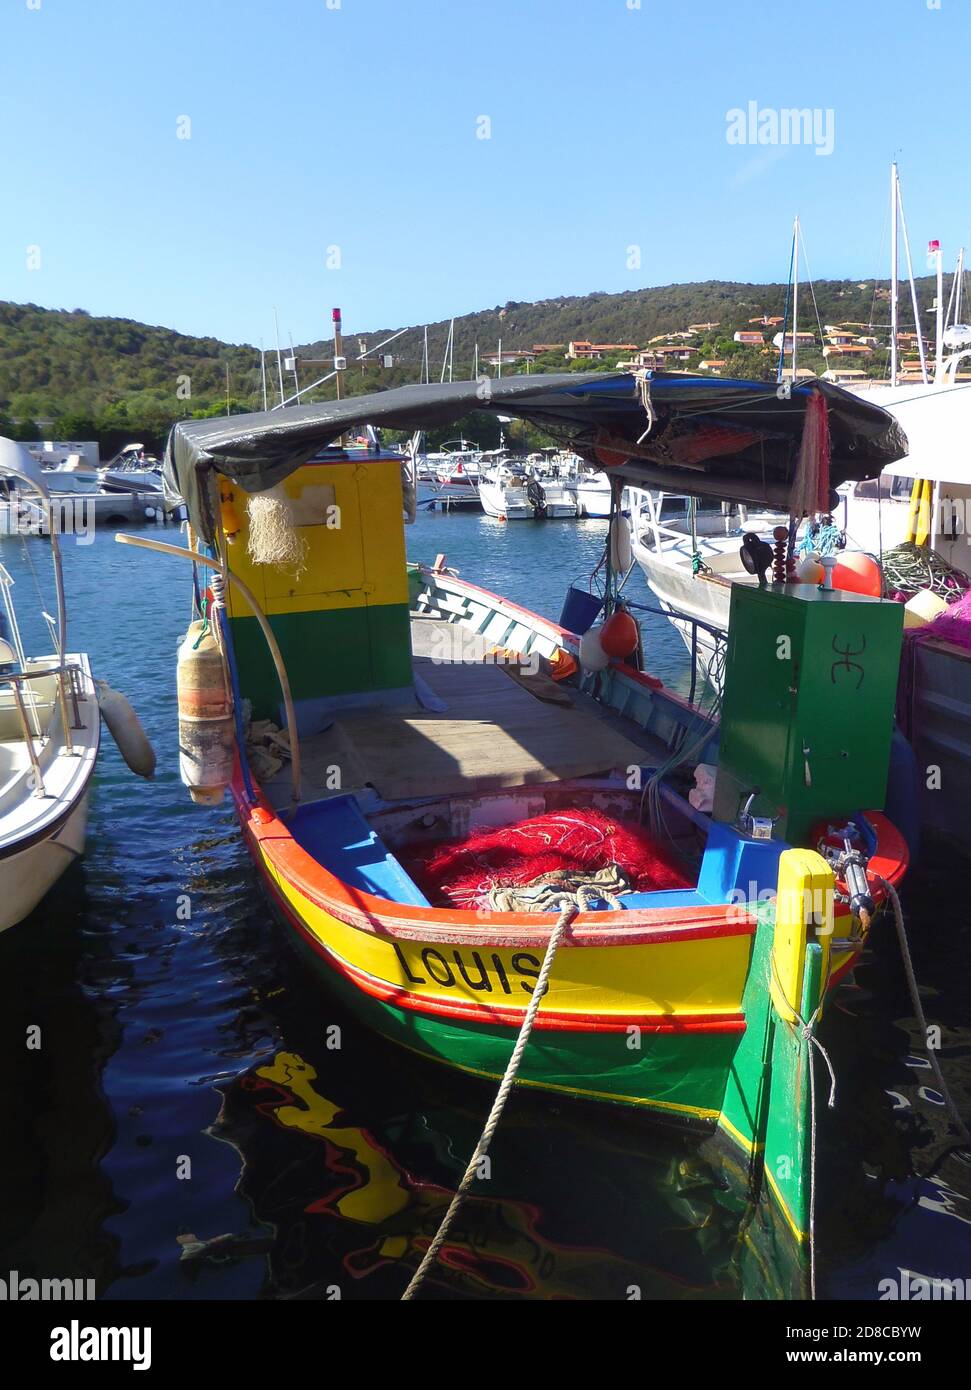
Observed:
{"x":335,"y":651}
{"x":679,"y":1075}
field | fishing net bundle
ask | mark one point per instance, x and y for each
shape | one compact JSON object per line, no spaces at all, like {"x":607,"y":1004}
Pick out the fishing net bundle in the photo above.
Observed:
{"x":273,"y":537}
{"x":463,"y":873}
{"x":907,"y":568}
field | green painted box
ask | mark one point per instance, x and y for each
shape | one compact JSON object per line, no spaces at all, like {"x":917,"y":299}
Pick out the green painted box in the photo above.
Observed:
{"x":807,"y":714}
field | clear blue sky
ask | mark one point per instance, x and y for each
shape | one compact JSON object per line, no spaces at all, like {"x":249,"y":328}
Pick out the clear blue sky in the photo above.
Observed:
{"x":356,"y":127}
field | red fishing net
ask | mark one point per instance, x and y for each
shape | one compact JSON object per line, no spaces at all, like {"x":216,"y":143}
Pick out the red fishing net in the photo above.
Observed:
{"x":462,"y":872}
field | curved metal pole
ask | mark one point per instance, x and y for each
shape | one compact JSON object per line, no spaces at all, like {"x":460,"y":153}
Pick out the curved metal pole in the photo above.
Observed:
{"x":291,"y":715}
{"x":41,"y":491}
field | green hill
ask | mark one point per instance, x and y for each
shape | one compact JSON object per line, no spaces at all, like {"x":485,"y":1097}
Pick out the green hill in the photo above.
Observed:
{"x":75,"y":375}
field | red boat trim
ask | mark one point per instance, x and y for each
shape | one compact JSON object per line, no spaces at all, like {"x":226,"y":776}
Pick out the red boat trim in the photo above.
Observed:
{"x":468,"y":1011}
{"x":380,"y":916}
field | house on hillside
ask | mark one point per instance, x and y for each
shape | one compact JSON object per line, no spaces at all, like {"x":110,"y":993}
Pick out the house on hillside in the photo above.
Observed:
{"x":749,"y":338}
{"x":802,"y":340}
{"x":844,"y":376}
{"x":702,"y":327}
{"x":582,"y":348}
{"x":713,"y":365}
{"x":673,"y":352}
{"x":848,"y":350}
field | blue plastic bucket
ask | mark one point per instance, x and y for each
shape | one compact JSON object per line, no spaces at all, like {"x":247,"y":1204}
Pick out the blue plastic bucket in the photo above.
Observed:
{"x":580,"y":610}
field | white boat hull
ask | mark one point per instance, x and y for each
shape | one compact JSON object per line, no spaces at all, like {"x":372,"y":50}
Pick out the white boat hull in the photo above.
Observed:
{"x":41,"y":835}
{"x":28,"y":875}
{"x":512,"y":503}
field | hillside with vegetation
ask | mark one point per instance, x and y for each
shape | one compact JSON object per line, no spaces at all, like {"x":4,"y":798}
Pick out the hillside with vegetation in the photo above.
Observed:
{"x":72,"y":375}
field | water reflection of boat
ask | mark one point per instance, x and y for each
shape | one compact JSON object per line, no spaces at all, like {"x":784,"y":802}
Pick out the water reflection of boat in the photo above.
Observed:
{"x":665,"y":1224}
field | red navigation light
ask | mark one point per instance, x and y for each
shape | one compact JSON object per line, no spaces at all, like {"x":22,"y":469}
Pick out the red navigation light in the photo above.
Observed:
{"x":336,"y":315}
{"x":933,"y":246}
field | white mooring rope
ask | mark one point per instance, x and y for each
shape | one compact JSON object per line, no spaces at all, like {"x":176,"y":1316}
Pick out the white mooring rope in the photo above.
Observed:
{"x":495,"y":1115}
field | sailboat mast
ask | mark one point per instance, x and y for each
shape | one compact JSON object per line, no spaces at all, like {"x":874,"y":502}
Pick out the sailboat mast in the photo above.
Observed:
{"x":894,"y":196}
{"x":939,"y":334}
{"x":912,"y":282}
{"x":795,"y":293}
{"x":959,"y":278}
{"x":279,"y":359}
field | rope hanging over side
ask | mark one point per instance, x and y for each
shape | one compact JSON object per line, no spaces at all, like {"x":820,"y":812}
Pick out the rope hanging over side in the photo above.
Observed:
{"x":498,"y":1105}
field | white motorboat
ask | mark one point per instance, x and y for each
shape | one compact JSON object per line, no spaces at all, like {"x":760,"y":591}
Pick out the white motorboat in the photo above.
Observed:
{"x":594,"y":495}
{"x":74,"y":475}
{"x":690,"y":560}
{"x":133,"y":469}
{"x":50,"y":729}
{"x":510,"y":492}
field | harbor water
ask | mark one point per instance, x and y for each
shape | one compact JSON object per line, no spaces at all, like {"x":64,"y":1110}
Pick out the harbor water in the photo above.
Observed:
{"x":200,"y":1121}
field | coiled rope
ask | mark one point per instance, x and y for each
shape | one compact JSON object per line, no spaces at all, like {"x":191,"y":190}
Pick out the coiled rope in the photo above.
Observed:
{"x":911,"y":567}
{"x":498,"y":1105}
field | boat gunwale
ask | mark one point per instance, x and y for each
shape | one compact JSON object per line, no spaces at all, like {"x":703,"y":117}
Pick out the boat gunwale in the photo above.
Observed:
{"x":707,"y":1022}
{"x":382,"y":916}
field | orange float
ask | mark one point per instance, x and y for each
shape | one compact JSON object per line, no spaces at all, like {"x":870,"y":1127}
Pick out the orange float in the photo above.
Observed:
{"x":619,"y":635}
{"x":856,"y":573}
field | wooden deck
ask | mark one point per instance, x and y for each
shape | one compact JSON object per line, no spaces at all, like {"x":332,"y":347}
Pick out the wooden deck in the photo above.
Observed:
{"x":473,"y":729}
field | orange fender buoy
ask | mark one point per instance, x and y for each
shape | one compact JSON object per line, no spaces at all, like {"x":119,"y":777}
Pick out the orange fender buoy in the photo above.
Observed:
{"x":619,"y":635}
{"x":855,"y":573}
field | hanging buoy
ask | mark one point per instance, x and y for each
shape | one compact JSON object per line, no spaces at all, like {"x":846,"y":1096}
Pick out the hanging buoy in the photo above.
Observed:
{"x":809,"y":570}
{"x":619,"y":635}
{"x":206,"y":731}
{"x":592,"y":655}
{"x":858,"y":574}
{"x":126,"y":730}
{"x":228,"y":515}
{"x":620,"y":547}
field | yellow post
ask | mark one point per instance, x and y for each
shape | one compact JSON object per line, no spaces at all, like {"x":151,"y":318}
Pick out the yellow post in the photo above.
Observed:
{"x":804,"y":904}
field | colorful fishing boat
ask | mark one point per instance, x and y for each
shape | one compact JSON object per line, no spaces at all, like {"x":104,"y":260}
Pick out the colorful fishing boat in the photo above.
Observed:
{"x":434,"y":782}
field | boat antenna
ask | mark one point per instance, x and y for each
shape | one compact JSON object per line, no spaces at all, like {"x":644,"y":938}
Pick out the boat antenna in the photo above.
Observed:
{"x":263,"y":372}
{"x":327,"y":375}
{"x":279,"y":360}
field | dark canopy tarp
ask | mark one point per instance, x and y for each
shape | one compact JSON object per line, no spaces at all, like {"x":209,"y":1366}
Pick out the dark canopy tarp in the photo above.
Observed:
{"x":702,"y":435}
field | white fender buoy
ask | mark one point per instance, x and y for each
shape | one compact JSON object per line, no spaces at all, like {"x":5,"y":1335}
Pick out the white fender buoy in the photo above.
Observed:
{"x":620,"y":545}
{"x":126,"y":730}
{"x":206,"y":729}
{"x":592,"y":655}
